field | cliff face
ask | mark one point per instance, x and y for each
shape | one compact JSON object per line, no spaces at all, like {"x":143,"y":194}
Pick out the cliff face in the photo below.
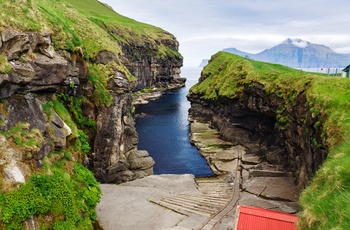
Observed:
{"x":281,"y":129}
{"x":251,"y":121}
{"x":289,"y":118}
{"x":43,"y":73}
{"x":149,"y":68}
{"x":66,"y":92}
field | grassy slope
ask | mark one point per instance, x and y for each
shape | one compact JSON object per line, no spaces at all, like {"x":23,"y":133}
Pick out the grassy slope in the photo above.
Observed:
{"x":131,"y":29}
{"x":325,"y":203}
{"x":88,"y":24}
{"x":123,"y":28}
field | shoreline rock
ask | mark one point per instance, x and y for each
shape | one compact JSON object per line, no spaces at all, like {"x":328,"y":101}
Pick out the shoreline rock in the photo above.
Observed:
{"x":142,"y":98}
{"x":262,"y":185}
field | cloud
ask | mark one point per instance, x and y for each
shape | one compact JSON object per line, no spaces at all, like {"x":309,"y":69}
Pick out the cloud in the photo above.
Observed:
{"x":204,"y":27}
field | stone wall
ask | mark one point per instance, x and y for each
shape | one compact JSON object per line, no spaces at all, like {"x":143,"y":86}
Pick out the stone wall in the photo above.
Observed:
{"x":254,"y":120}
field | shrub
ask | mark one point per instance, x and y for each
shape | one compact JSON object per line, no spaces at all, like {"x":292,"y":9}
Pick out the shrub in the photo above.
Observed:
{"x":70,"y":196}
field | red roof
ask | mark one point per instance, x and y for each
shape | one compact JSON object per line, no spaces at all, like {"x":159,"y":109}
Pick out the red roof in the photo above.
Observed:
{"x":251,"y":218}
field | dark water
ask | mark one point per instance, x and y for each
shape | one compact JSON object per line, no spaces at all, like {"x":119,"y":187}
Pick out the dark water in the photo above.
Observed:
{"x":164,"y":132}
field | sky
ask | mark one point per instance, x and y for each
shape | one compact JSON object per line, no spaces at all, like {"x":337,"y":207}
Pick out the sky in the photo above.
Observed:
{"x":204,"y":27}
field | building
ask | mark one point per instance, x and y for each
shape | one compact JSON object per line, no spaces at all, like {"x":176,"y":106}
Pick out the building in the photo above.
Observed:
{"x":346,"y":72}
{"x":252,"y":218}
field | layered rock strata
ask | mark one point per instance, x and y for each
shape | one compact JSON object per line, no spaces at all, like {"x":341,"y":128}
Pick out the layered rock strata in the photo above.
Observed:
{"x":34,"y":75}
{"x":150,"y":70}
{"x":251,"y":120}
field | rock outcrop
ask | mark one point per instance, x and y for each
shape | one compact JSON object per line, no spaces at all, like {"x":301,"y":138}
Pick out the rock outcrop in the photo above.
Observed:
{"x":144,"y":62}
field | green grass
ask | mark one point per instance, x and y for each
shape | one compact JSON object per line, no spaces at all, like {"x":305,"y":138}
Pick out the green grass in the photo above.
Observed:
{"x":85,"y":26}
{"x":325,"y":203}
{"x":64,"y":197}
{"x":82,"y":26}
{"x":227,"y":74}
{"x":5,"y":67}
{"x":27,"y":139}
{"x":123,"y":28}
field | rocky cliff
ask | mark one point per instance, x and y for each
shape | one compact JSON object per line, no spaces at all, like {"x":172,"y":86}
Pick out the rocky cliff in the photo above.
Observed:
{"x":66,"y":99}
{"x":252,"y":121}
{"x":291,"y":119}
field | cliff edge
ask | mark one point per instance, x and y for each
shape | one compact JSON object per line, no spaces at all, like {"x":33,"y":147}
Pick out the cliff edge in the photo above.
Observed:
{"x":290,"y":119}
{"x":68,"y":72}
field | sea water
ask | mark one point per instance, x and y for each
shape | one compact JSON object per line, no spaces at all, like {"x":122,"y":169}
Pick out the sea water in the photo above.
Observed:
{"x":163,"y":131}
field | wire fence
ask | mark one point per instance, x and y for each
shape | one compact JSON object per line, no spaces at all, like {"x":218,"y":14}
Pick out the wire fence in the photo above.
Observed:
{"x":336,"y":72}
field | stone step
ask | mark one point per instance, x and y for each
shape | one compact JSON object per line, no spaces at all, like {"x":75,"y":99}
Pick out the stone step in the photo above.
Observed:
{"x":182,"y":210}
{"x":193,"y":204}
{"x":223,"y":200}
{"x":217,"y":195}
{"x":268,"y":173}
{"x":207,"y":202}
{"x":182,"y":206}
{"x":217,"y":190}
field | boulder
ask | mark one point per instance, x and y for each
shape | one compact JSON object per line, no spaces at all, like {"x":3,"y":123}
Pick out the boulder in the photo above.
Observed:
{"x":60,"y":131}
{"x":140,"y":159}
{"x":14,"y":44}
{"x":49,"y":71}
{"x":7,"y":153}
{"x":45,"y":46}
{"x":22,"y":73}
{"x":13,"y":173}
{"x":11,"y":167}
{"x":7,"y":35}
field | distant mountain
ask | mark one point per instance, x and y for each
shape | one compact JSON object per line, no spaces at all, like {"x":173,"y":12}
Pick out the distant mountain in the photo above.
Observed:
{"x":238,"y":52}
{"x":298,"y":53}
{"x":204,"y":62}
